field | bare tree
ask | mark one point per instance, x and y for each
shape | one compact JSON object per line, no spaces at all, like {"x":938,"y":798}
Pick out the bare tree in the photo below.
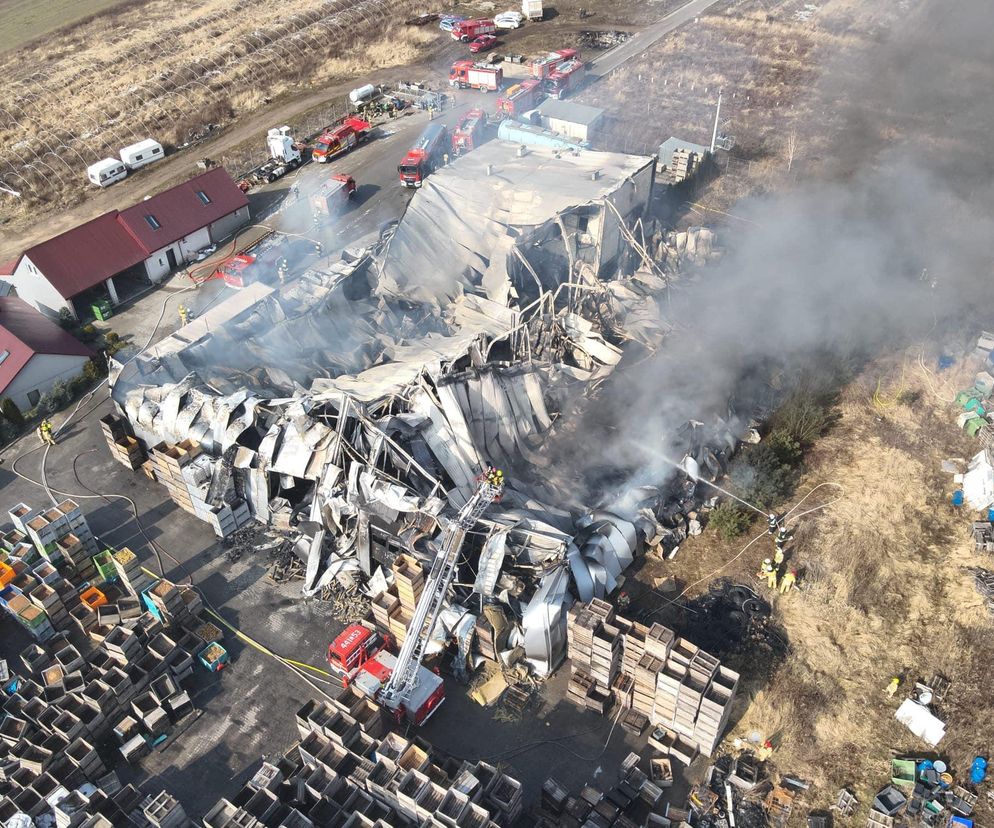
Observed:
{"x":791,"y":147}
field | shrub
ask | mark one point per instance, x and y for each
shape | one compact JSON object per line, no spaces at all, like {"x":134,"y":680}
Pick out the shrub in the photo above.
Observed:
{"x":805,"y":415}
{"x":767,"y":473}
{"x":111,"y":336}
{"x":88,"y":333}
{"x":94,"y":369}
{"x":729,"y":520}
{"x":11,"y":413}
{"x":57,"y":398}
{"x":65,"y":320}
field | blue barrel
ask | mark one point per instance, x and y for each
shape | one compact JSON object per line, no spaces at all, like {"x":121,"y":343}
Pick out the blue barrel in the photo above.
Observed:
{"x":958,"y":497}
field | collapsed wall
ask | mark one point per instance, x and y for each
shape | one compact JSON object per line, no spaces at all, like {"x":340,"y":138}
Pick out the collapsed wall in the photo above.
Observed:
{"x":358,"y":405}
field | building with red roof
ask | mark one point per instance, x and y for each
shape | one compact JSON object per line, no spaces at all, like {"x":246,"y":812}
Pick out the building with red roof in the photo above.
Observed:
{"x":35,"y":353}
{"x":121,"y":252}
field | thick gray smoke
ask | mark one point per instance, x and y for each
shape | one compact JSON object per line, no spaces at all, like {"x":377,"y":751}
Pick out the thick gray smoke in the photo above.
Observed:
{"x":834,"y":267}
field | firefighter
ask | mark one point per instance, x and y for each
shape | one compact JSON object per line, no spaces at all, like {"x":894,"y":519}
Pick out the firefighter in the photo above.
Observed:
{"x":45,"y":432}
{"x":318,"y":248}
{"x":778,"y":555}
{"x":295,"y":190}
{"x":787,"y":581}
{"x":282,"y":266}
{"x":184,"y":314}
{"x":445,"y":159}
{"x":772,"y":524}
{"x":624,"y":600}
{"x":895,"y":682}
{"x":769,"y":571}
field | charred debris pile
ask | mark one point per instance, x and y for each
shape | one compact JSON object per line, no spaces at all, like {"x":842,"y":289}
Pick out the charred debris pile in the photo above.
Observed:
{"x":355,"y":408}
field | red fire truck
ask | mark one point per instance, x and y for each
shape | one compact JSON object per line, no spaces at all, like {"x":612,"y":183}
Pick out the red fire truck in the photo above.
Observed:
{"x":469,"y":132}
{"x":356,"y":645}
{"x":468,"y":75}
{"x":467,"y":30}
{"x":424,"y":157}
{"x":541,"y":66}
{"x":519,"y":98}
{"x":333,"y":196}
{"x":238,"y":271}
{"x":362,"y":658}
{"x":565,"y":78}
{"x":347,"y":135}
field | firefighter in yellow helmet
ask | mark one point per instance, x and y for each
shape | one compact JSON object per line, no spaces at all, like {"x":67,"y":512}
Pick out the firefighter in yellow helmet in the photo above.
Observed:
{"x":45,"y":432}
{"x":769,"y":571}
{"x":184,"y":314}
{"x":787,"y":581}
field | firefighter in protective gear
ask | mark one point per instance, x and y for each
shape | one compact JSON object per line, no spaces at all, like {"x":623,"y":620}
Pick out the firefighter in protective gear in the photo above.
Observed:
{"x":184,"y":314}
{"x":282,"y":266}
{"x":892,"y":687}
{"x":769,"y":571}
{"x":318,"y":248}
{"x":787,"y":581}
{"x":778,"y":555}
{"x":45,"y":432}
{"x":772,"y":524}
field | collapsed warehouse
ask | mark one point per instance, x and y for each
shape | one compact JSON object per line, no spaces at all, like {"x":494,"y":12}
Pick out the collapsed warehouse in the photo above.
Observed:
{"x":357,"y":406}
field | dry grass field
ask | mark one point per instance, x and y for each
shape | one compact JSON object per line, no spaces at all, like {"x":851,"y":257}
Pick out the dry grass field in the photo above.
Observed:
{"x":22,"y":21}
{"x":766,"y":57}
{"x":169,"y":69}
{"x":883,"y":589}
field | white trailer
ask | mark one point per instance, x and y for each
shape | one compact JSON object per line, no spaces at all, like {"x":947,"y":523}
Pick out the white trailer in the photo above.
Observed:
{"x":532,"y":9}
{"x":106,"y":172}
{"x":142,"y":153}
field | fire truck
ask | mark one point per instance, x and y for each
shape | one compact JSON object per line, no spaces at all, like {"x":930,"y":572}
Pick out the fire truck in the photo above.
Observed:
{"x":238,"y":271}
{"x":342,"y":138}
{"x":402,"y":683}
{"x":543,"y":65}
{"x":469,"y":132}
{"x":466,"y":30}
{"x":333,"y":196}
{"x":468,"y":75}
{"x":424,"y":157}
{"x":356,"y":645}
{"x":519,"y":98}
{"x":565,"y":78}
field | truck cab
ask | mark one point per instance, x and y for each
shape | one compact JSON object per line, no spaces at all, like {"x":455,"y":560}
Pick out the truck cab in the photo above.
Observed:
{"x":353,"y":648}
{"x":428,"y":692}
{"x":423,"y":158}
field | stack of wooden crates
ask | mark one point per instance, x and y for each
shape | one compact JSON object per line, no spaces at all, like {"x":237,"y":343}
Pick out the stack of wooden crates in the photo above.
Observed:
{"x":124,"y":447}
{"x":654,"y":676}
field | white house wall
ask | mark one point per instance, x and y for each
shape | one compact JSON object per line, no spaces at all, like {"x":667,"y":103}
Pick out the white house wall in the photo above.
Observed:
{"x":185,"y":250}
{"x":226,"y":225}
{"x":40,"y":374}
{"x":32,"y":286}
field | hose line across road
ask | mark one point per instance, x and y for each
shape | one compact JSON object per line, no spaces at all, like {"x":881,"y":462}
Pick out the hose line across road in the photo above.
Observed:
{"x":638,"y":43}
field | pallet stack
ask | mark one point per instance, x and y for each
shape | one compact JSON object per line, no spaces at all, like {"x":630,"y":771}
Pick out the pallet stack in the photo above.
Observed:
{"x":129,"y":571}
{"x":340,"y":774}
{"x":656,"y":678}
{"x":169,"y":462}
{"x":409,"y":581}
{"x":122,"y":443}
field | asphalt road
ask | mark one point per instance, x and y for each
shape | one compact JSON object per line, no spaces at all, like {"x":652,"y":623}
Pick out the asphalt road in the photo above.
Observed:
{"x":609,"y":61}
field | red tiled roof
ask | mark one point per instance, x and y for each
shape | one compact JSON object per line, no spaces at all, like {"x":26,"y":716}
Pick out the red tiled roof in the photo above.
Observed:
{"x":85,"y":256}
{"x":7,"y":268}
{"x":24,"y":332}
{"x":179,"y":211}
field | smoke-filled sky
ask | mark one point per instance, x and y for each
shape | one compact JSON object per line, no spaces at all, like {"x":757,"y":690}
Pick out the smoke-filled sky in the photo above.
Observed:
{"x":833,"y":264}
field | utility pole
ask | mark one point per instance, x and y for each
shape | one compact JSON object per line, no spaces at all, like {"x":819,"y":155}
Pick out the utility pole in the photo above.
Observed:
{"x":717,"y":117}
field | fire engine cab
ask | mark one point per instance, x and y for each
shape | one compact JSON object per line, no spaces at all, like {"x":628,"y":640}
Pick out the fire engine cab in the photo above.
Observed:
{"x":353,"y":648}
{"x":425,"y":156}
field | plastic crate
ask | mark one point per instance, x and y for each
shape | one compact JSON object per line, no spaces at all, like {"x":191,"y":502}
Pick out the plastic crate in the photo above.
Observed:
{"x":214,"y":657}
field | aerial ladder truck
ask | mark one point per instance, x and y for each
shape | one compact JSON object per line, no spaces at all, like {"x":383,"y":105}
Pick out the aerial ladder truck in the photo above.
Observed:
{"x":401,"y":683}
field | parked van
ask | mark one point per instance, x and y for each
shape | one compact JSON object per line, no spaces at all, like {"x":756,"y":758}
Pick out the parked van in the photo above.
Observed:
{"x":106,"y":172}
{"x":142,"y":153}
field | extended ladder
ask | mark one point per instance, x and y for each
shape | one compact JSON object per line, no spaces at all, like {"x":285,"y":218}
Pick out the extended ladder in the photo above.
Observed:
{"x":443,"y":569}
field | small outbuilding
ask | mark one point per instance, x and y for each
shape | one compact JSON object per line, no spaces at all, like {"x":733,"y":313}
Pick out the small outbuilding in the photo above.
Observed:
{"x":35,"y":353}
{"x":577,"y":121}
